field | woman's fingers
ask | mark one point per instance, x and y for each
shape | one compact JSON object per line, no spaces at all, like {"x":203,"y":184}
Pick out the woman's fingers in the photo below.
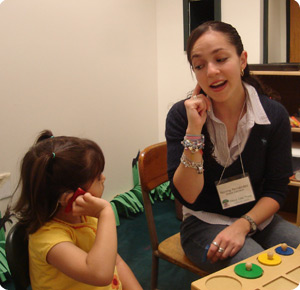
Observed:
{"x":221,"y":249}
{"x":200,"y":98}
{"x":219,"y":252}
{"x":213,"y":250}
{"x":196,"y":108}
{"x":201,"y":103}
{"x":208,"y":103}
{"x":197,"y":90}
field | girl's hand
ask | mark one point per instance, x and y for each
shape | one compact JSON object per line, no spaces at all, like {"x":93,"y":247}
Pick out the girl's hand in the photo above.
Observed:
{"x":196,"y":108}
{"x":89,"y":205}
{"x":231,"y":239}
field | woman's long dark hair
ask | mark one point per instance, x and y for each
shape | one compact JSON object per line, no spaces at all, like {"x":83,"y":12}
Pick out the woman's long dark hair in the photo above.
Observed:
{"x":52,"y":166}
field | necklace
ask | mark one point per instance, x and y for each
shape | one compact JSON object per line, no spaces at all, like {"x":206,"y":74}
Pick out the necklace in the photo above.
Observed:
{"x":240,"y":116}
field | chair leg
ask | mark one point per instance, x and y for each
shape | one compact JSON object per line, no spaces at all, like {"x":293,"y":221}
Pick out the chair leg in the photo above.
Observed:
{"x":154,"y":272}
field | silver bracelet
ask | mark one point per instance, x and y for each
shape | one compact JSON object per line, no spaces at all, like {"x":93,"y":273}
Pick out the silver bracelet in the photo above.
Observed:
{"x":194,"y":143}
{"x":189,"y":163}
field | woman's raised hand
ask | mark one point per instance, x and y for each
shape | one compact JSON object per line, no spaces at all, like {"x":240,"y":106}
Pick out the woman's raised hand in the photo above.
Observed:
{"x":196,"y":108}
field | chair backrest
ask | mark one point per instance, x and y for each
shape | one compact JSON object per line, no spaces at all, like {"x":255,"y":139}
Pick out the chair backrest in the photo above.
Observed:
{"x":16,"y":248}
{"x":153,"y":172}
{"x":153,"y":166}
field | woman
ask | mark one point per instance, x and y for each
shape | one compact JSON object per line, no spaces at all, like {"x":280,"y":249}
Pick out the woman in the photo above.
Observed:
{"x":229,"y":155}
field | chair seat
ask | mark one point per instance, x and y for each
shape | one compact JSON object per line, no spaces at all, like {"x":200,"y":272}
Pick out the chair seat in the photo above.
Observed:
{"x":170,"y":249}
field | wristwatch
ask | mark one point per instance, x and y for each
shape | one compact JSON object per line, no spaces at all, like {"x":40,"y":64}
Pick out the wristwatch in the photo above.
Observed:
{"x":253,"y":226}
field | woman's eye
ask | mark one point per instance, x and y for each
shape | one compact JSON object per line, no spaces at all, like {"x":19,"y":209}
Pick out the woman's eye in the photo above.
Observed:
{"x":198,"y":67}
{"x":222,"y":59}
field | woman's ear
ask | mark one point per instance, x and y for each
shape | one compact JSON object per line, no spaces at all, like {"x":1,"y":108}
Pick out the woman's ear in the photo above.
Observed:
{"x":65,"y":197}
{"x":243,"y":59}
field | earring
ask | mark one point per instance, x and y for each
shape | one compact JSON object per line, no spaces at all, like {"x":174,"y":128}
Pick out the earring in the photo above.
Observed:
{"x":242,"y":73}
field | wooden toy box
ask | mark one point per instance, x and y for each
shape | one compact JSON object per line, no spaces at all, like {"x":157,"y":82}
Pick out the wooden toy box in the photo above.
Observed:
{"x":285,"y":276}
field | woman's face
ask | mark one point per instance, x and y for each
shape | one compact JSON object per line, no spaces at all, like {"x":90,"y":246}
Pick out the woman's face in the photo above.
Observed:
{"x":217,"y":66}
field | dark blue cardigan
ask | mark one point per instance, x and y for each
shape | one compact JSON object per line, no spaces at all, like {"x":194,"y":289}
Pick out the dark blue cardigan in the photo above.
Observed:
{"x":266,"y":157}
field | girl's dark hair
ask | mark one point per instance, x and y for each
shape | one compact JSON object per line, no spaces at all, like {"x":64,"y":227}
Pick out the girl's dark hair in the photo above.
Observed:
{"x":52,"y":166}
{"x":233,"y":38}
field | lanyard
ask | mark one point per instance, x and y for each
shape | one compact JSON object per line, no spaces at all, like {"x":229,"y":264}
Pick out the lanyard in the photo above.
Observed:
{"x":239,"y":150}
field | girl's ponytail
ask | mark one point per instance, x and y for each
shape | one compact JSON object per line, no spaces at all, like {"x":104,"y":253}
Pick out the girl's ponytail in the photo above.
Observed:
{"x":46,"y":134}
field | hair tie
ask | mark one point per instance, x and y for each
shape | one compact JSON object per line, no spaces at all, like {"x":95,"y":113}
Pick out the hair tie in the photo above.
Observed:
{"x":53,"y":155}
{"x":52,"y":136}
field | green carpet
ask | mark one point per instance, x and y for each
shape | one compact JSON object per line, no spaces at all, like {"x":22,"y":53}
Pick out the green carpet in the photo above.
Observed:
{"x":135,"y":248}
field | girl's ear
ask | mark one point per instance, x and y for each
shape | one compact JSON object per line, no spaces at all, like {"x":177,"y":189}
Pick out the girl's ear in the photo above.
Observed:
{"x":65,"y":197}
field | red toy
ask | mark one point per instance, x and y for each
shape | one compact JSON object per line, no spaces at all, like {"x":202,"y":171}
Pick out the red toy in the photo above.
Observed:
{"x":78,"y":192}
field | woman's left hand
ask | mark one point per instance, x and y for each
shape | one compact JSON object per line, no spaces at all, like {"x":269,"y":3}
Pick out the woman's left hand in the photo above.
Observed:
{"x":196,"y":108}
{"x":231,"y":240}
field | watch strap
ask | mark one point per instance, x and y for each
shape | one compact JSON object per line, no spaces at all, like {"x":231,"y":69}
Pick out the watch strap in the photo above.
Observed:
{"x":253,"y":226}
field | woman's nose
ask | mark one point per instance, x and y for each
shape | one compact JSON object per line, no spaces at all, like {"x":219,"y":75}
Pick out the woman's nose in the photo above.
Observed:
{"x":212,"y":69}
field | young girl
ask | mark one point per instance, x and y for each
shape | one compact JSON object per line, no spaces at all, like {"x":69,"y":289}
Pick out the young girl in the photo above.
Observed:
{"x":229,"y":155}
{"x":72,"y":243}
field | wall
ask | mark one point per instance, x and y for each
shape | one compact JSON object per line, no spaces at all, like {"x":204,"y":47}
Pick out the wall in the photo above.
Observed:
{"x":277,"y":31}
{"x":247,"y":17}
{"x":86,"y":68}
{"x":106,"y":70}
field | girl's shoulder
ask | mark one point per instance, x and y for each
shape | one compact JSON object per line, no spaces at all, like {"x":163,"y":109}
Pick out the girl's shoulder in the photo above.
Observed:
{"x":50,"y":232}
{"x":62,"y":228}
{"x":47,"y":236}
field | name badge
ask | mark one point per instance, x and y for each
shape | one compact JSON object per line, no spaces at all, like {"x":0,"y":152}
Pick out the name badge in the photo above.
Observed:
{"x":235,"y":192}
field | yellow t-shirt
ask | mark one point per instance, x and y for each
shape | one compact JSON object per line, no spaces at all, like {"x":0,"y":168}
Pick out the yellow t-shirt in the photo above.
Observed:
{"x":44,"y":276}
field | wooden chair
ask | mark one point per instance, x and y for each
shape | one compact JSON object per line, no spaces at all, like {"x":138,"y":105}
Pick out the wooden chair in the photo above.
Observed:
{"x":153,"y":172}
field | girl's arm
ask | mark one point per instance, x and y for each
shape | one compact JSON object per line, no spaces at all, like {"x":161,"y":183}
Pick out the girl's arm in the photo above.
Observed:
{"x":97,"y":266}
{"x":129,"y":281}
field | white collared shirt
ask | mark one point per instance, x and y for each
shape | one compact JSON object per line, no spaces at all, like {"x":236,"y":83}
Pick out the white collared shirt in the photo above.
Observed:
{"x":217,"y":129}
{"x":226,"y":155}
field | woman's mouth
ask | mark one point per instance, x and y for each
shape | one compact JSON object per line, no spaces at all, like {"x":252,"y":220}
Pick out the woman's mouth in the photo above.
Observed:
{"x":219,"y":85}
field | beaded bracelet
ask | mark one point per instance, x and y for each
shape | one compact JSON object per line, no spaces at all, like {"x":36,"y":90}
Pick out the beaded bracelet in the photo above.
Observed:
{"x":194,"y":143}
{"x":189,"y":163}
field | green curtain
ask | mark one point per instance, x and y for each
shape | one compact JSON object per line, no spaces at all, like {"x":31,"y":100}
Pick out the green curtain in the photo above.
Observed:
{"x":4,"y":269}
